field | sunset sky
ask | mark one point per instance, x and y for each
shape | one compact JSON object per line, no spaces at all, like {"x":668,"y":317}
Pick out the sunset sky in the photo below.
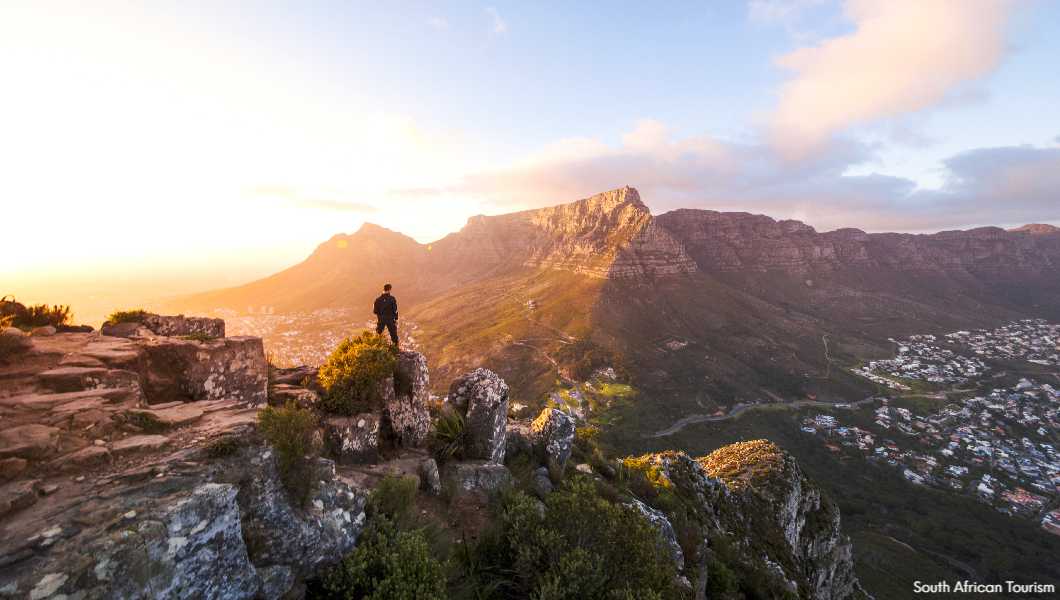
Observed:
{"x":230,"y":138}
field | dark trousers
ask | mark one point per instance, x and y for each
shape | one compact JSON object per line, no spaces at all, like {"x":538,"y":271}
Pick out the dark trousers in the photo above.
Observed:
{"x":390,"y":325}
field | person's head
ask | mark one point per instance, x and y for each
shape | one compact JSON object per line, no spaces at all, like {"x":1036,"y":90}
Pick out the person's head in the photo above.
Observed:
{"x":386,"y":288}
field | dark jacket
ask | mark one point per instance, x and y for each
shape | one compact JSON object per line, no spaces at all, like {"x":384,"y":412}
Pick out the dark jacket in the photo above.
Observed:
{"x":386,"y":307}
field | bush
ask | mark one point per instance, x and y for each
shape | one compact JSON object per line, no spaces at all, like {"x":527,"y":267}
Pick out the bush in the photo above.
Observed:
{"x":582,"y":357}
{"x":11,"y":345}
{"x":585,"y":547}
{"x":393,"y":499}
{"x":289,"y":431}
{"x":38,"y":315}
{"x":127,"y":316}
{"x":387,"y":564}
{"x":722,"y":583}
{"x":449,"y":436}
{"x":354,"y":370}
{"x":199,"y":337}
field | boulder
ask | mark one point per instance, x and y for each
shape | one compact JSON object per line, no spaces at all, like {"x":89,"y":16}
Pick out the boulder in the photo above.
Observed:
{"x":406,"y":412}
{"x":45,"y":331}
{"x":477,"y":481}
{"x":174,"y":416}
{"x":541,"y":482}
{"x":294,"y":376}
{"x":18,"y":496}
{"x":31,"y":442}
{"x":666,"y":540}
{"x":281,"y":394}
{"x":276,"y":581}
{"x":230,"y":368}
{"x":518,"y":437}
{"x":13,"y":331}
{"x":430,"y":480}
{"x":11,"y":467}
{"x":556,"y":429}
{"x":181,"y":325}
{"x":483,"y":396}
{"x":354,"y":440}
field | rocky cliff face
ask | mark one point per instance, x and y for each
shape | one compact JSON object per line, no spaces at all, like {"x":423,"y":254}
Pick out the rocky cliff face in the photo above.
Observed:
{"x":742,"y":242}
{"x":755,"y":495}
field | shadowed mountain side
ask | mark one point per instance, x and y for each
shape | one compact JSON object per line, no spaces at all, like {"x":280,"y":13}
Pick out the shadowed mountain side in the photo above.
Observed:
{"x":610,"y":235}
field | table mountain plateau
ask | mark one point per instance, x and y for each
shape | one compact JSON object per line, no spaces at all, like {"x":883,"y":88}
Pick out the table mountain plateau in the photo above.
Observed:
{"x":760,"y":309}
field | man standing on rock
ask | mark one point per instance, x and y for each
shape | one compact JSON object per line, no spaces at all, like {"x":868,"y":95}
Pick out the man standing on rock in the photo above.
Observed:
{"x":386,"y":313}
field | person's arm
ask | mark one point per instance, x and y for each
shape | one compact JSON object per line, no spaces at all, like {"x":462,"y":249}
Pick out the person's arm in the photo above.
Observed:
{"x":395,"y":310}
{"x":375,"y":306}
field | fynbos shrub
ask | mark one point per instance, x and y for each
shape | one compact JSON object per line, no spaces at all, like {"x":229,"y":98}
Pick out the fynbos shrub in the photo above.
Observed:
{"x":289,"y":431}
{"x":354,"y":370}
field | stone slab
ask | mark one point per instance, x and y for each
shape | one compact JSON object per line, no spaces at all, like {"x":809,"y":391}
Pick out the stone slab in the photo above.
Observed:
{"x":138,"y":444}
{"x":31,"y":442}
{"x":18,"y":496}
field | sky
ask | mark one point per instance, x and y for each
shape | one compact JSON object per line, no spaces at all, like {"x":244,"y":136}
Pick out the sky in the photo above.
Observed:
{"x":214,"y":142}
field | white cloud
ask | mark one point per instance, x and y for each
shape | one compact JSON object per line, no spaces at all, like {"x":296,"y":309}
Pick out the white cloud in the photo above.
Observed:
{"x":499,"y":26}
{"x":778,"y":10}
{"x":336,"y":200}
{"x":906,"y":55}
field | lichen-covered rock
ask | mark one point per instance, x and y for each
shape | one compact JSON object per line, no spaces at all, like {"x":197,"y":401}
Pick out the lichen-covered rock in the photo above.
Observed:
{"x":353,"y":440}
{"x":483,"y":396}
{"x":180,"y":325}
{"x":557,"y":430}
{"x":275,"y":582}
{"x":174,"y":369}
{"x":406,"y":413}
{"x":77,"y":379}
{"x":541,"y":483}
{"x":667,"y":537}
{"x":125,"y":330}
{"x":430,"y":480}
{"x":281,"y":394}
{"x":477,"y":481}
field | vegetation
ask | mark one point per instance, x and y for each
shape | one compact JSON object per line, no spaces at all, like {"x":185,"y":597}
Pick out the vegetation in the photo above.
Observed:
{"x":30,"y":317}
{"x":127,"y":316}
{"x":582,"y":357}
{"x":354,"y":370}
{"x":199,"y":337}
{"x":222,"y":448}
{"x":11,"y":346}
{"x":289,"y":430}
{"x":450,"y":435}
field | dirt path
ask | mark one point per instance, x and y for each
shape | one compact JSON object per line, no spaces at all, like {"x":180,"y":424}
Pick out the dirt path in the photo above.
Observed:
{"x":739,"y":408}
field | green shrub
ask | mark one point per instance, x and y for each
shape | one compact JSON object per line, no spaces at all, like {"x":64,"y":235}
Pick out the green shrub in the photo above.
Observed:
{"x":354,"y":370}
{"x":722,"y":583}
{"x":146,"y":422}
{"x":127,"y":316}
{"x":18,"y":315}
{"x":585,"y":547}
{"x":583,"y":357}
{"x":222,"y":448}
{"x":289,"y":431}
{"x":393,"y":499}
{"x":387,"y":564}
{"x":199,"y":337}
{"x":449,"y":436}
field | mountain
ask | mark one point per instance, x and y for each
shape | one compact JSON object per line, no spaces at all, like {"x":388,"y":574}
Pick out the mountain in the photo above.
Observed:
{"x":760,"y":309}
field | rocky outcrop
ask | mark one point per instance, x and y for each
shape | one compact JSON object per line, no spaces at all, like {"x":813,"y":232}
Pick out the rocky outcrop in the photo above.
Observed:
{"x":483,"y":398}
{"x":174,"y":369}
{"x":168,"y":326}
{"x":667,"y":537}
{"x":556,"y":429}
{"x":756,"y":482}
{"x":353,"y":440}
{"x":477,"y":482}
{"x":405,"y":412}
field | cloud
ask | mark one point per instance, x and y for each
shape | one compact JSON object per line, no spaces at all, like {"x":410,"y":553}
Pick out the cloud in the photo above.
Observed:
{"x":905,"y":56}
{"x":499,"y":26}
{"x":313,"y":200}
{"x":991,"y":186}
{"x":778,"y":10}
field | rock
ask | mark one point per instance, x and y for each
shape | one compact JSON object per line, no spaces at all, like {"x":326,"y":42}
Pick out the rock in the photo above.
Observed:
{"x":176,"y":416}
{"x":584,"y":468}
{"x":276,"y":581}
{"x":557,"y":430}
{"x":430,"y":480}
{"x":354,"y":440}
{"x":281,"y":394}
{"x":31,"y":442}
{"x":295,"y":376}
{"x":485,"y":397}
{"x":229,"y":368}
{"x":541,"y":482}
{"x":84,"y":459}
{"x":45,"y":331}
{"x":477,"y":481}
{"x":406,"y":412}
{"x":667,"y":537}
{"x":518,"y":437}
{"x":76,"y":379}
{"x":13,"y":331}
{"x":181,"y":325}
{"x":138,"y":444}
{"x":87,"y":418}
{"x":18,"y":496}
{"x":125,"y":330}
{"x":11,"y":467}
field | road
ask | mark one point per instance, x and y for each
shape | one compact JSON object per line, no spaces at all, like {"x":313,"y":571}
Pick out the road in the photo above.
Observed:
{"x":739,"y":408}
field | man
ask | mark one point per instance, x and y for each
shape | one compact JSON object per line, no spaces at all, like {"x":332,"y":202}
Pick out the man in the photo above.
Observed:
{"x":386,"y":313}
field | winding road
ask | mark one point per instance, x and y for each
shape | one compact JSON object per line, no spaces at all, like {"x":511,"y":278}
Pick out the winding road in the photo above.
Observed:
{"x":739,"y":408}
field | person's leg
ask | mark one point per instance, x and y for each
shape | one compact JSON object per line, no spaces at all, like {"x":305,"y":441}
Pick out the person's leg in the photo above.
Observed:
{"x":391,"y":326}
{"x":379,"y":327}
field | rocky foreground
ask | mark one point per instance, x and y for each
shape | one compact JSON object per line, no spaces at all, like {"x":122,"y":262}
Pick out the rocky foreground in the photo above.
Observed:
{"x":131,"y":468}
